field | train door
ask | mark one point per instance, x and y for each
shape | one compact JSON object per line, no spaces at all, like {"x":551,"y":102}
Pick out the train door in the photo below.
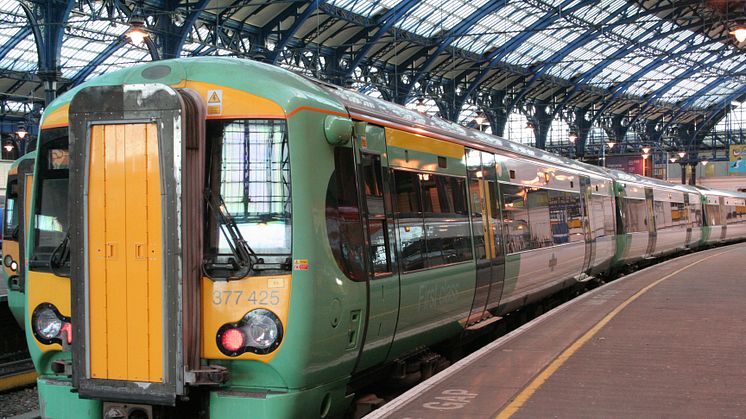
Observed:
{"x":652,"y":235}
{"x":590,"y":241}
{"x":688,"y":241}
{"x":140,"y":184}
{"x":382,"y":279}
{"x":487,"y":233}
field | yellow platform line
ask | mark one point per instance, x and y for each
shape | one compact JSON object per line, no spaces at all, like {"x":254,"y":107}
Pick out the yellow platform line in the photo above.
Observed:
{"x":17,"y":380}
{"x":545,"y":374}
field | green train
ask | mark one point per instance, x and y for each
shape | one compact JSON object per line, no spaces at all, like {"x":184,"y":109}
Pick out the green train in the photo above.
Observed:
{"x":216,"y":237}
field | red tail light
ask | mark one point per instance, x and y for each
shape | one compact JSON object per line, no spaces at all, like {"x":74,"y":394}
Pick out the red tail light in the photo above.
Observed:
{"x":67,"y":328}
{"x":232,"y":340}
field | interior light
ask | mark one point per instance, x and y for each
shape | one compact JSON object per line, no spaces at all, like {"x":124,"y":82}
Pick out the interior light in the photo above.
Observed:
{"x":740,"y":34}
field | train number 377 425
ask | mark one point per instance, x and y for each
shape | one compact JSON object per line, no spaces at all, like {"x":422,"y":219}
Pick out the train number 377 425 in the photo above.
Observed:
{"x":237,"y":297}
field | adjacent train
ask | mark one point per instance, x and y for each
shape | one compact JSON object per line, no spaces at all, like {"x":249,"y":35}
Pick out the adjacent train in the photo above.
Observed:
{"x":223,"y":238}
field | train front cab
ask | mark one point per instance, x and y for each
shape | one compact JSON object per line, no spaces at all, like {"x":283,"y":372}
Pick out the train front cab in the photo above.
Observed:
{"x":138,"y":332}
{"x":15,"y":225}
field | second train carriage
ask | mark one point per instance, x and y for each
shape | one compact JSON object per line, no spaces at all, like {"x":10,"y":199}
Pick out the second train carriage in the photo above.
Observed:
{"x":252,"y":239}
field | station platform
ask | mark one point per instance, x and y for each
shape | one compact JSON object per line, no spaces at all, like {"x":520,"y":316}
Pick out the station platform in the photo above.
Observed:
{"x":666,"y":341}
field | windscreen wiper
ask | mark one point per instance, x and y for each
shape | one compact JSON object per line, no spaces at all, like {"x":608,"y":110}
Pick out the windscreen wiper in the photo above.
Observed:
{"x":60,"y":257}
{"x":244,"y":256}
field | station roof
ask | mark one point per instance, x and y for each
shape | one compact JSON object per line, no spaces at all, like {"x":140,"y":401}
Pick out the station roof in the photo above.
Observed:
{"x":666,"y":57}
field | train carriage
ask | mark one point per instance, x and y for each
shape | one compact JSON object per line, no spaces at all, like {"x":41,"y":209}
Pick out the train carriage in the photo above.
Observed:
{"x":224,"y":236}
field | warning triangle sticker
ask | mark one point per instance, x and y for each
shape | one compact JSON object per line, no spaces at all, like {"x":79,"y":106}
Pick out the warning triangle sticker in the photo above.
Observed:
{"x":214,"y":98}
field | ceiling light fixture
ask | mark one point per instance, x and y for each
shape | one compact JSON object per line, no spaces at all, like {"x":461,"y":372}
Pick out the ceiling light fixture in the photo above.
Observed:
{"x":137,"y":33}
{"x":740,"y":34}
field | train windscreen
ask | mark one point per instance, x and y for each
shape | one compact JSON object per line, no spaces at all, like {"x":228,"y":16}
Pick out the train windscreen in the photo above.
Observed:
{"x":250,"y":169}
{"x":50,"y":213}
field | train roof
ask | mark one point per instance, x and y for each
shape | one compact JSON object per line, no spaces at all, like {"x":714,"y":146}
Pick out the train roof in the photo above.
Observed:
{"x":374,"y":109}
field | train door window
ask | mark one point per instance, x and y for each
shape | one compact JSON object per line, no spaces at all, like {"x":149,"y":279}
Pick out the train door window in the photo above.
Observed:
{"x":410,"y":226}
{"x":695,"y":211}
{"x":609,"y":227}
{"x":378,"y":232}
{"x":515,"y":215}
{"x":12,"y":216}
{"x":538,"y":213}
{"x":713,"y":215}
{"x":474,"y":166}
{"x":635,"y":215}
{"x":599,"y":221}
{"x":495,"y":222}
{"x":344,"y":229}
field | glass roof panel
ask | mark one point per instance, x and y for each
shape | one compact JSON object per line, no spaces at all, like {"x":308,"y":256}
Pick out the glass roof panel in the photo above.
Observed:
{"x":365,"y":8}
{"x":497,"y":28}
{"x":717,"y":94}
{"x":23,"y":57}
{"x":542,"y":46}
{"x":433,"y":16}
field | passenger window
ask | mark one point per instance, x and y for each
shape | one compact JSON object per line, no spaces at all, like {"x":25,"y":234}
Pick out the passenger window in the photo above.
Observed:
{"x":409,"y":220}
{"x":439,"y":233}
{"x":446,"y":223}
{"x":515,"y":215}
{"x":538,"y":208}
{"x":565,"y":216}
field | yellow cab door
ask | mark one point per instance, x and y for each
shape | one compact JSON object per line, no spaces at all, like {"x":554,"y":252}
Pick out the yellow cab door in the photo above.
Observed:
{"x":125,"y":268}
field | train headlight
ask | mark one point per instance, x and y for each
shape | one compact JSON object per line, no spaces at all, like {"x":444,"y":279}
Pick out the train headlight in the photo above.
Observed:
{"x":259,"y":332}
{"x":262,"y":328}
{"x":49,"y":325}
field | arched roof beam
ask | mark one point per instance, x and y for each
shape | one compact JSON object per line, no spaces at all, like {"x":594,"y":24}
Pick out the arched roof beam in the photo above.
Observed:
{"x":286,"y":36}
{"x":386,"y":22}
{"x":454,"y":33}
{"x":16,"y":39}
{"x":187,"y":27}
{"x":510,"y":46}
